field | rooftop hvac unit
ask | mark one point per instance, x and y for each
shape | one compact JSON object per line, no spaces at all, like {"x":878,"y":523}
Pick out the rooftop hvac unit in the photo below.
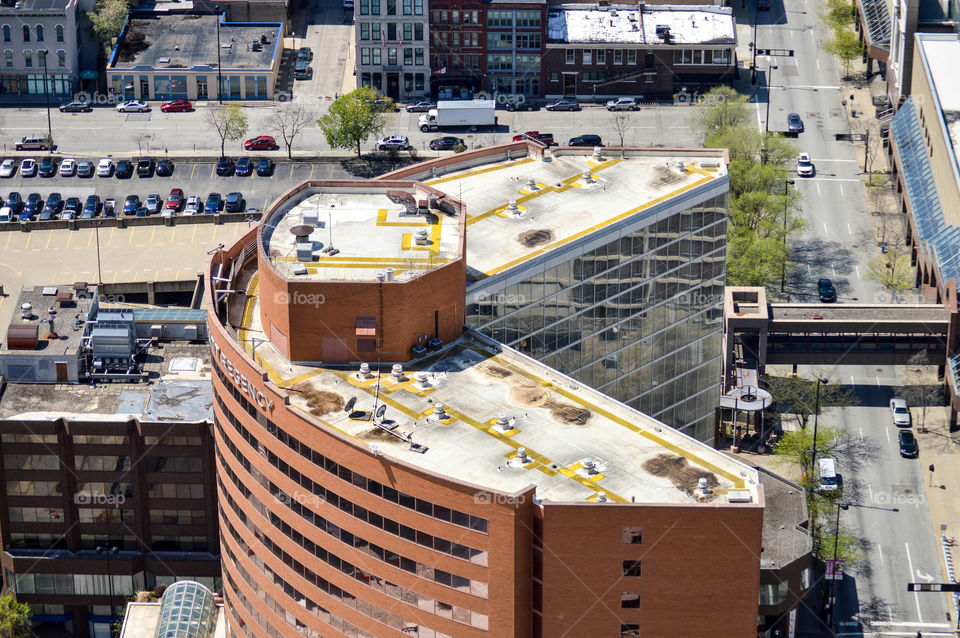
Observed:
{"x":113,"y":342}
{"x":190,"y":332}
{"x":311,"y":218}
{"x":739,"y":496}
{"x":156,"y":331}
{"x":305,"y":251}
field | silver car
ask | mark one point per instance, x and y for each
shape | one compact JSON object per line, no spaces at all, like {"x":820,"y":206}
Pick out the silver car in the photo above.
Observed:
{"x":900,"y":412}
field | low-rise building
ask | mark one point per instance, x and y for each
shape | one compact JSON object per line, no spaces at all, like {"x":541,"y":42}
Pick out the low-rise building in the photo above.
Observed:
{"x":185,"y":55}
{"x":393,"y":47}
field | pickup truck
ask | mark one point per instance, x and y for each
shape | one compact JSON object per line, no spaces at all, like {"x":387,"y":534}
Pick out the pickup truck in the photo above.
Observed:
{"x":537,"y":136}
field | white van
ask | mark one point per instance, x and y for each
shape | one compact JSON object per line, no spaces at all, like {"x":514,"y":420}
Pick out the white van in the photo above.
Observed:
{"x":829,"y":479}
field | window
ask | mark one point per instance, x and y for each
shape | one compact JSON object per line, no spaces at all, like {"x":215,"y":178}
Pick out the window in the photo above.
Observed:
{"x":418,"y":77}
{"x":698,"y":56}
{"x":588,"y":56}
{"x":554,"y":77}
{"x":59,"y":33}
{"x":528,"y":40}
{"x":39,"y":31}
{"x":364,"y":7}
{"x":8,"y":57}
{"x":407,"y":7}
{"x":366,"y":345}
{"x":632,"y":568}
{"x":391,"y":7}
{"x":375,"y":31}
{"x":28,"y":58}
{"x":774,"y":594}
{"x":61,"y":58}
{"x":632,"y":535}
{"x":391,"y":57}
{"x":528,"y":18}
{"x":407,"y":31}
{"x":629,"y":631}
{"x":455,"y":16}
{"x":629,"y":600}
{"x":418,"y":32}
{"x":497,"y":40}
{"x":500,"y":18}
{"x":418,"y":57}
{"x":456,"y":39}
{"x":528,"y":62}
{"x":618,"y":56}
{"x":601,"y":56}
{"x":391,"y":32}
{"x":571,"y":56}
{"x":376,"y":60}
{"x":407,"y":61}
{"x":418,"y":7}
{"x":6,"y":33}
{"x":632,"y":56}
{"x":26,"y":33}
{"x":364,"y":30}
{"x":375,"y":7}
{"x":649,"y":60}
{"x":365,"y":56}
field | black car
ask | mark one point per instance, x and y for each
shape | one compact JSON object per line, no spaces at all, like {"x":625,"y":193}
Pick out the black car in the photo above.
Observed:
{"x":145,"y":166}
{"x":520,"y":106}
{"x":908,"y":444}
{"x":243,"y":167}
{"x":585,"y":140}
{"x":54,"y":202}
{"x":305,"y":54}
{"x":131,"y":204}
{"x":265,"y":167}
{"x":73,"y":205}
{"x":446,"y":143}
{"x":234,"y":203}
{"x":124,"y":169}
{"x":141,"y":212}
{"x":794,"y":123}
{"x":828,"y":294}
{"x":14,"y":202}
{"x":33,"y":205}
{"x":164,"y":168}
{"x":48,"y":167}
{"x":225,"y":167}
{"x":75,"y":107}
{"x":91,"y":207}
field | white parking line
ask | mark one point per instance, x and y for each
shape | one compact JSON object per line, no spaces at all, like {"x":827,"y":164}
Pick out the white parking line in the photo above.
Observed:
{"x":916,"y":595}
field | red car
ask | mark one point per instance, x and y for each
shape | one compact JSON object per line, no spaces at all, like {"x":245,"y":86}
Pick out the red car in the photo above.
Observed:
{"x":262,"y":143}
{"x":176,"y":106}
{"x":546,"y":138}
{"x":175,"y":199}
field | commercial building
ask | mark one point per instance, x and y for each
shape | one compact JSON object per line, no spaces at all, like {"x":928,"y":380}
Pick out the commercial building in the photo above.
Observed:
{"x":187,"y":609}
{"x":393,"y":47}
{"x":631,"y":50}
{"x":184,"y":55}
{"x":105,"y":444}
{"x":39,"y":39}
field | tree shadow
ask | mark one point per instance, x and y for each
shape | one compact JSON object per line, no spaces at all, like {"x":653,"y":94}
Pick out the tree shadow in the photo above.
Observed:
{"x":370,"y":166}
{"x":875,"y":610}
{"x":822,"y":258}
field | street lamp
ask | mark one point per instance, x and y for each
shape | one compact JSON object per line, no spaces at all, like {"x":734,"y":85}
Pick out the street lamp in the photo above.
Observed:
{"x":786,"y":204}
{"x":816,"y":415}
{"x":753,"y":65}
{"x":770,"y":69}
{"x":216,"y":8}
{"x":46,"y":92}
{"x":113,"y":551}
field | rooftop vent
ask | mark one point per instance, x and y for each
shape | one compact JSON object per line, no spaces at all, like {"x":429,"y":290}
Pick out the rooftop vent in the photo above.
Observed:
{"x":532,"y":184}
{"x":26,"y":311}
{"x":311,"y":217}
{"x":421,"y":236}
{"x":364,"y":371}
{"x":439,"y":412}
{"x":601,"y":497}
{"x":589,"y":466}
{"x":512,"y":207}
{"x":597,"y":152}
{"x":702,"y":486}
{"x":503,"y":422}
{"x":397,"y":372}
{"x":164,"y":60}
{"x":739,"y":496}
{"x":422,"y":379}
{"x":388,"y":272}
{"x":586,"y":177}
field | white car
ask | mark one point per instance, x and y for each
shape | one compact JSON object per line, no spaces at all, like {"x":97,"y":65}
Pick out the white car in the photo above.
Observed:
{"x":168,"y":212}
{"x":105,"y":167}
{"x":28,"y":168}
{"x":8,"y":168}
{"x":900,"y":413}
{"x":399,"y":142}
{"x":133,"y":106}
{"x":623,"y":104}
{"x":805,"y":167}
{"x":193,"y":206}
{"x":68,"y":167}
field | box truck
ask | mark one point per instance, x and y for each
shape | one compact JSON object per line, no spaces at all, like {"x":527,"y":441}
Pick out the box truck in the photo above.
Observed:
{"x":459,"y":113}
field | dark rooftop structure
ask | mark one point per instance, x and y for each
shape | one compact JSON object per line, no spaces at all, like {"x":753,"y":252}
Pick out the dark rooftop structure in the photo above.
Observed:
{"x":172,"y":40}
{"x":35,"y":7}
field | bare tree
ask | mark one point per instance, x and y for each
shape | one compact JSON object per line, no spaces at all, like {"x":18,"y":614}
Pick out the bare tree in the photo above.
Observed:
{"x":230,"y":123}
{"x":622,"y":125}
{"x":141,"y":138}
{"x":288,"y":121}
{"x":919,"y":390}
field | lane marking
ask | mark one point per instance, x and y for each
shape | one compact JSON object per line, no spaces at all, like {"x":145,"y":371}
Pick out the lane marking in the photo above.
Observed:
{"x":916,"y":595}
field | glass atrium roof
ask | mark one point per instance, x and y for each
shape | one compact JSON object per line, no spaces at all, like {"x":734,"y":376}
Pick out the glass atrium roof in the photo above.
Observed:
{"x":187,"y":610}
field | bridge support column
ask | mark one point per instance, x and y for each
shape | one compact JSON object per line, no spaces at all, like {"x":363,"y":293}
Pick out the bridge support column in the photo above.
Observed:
{"x":953,"y":419}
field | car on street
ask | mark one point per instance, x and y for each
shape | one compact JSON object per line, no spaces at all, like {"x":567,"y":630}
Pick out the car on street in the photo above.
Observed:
{"x":302,"y":70}
{"x":28,"y":168}
{"x":826,"y":291}
{"x":261,"y":143}
{"x":805,"y":166}
{"x":75,"y":107}
{"x":420,"y":107}
{"x":48,"y":167}
{"x":900,"y":412}
{"x":234,"y":203}
{"x":585,"y":140}
{"x":794,"y":123}
{"x":32,"y":206}
{"x":521,"y":106}
{"x":132,"y":106}
{"x":545,"y":138}
{"x":265,"y":167}
{"x":105,"y":167}
{"x":165,"y":168}
{"x":14,"y":202}
{"x":153,"y":203}
{"x":446,"y":143}
{"x":91,"y":207}
{"x":213,"y":204}
{"x":908,"y":444}
{"x":623,"y":104}
{"x":176,"y":106}
{"x":68,"y":167}
{"x":52,"y":206}
{"x":563,"y":105}
{"x":71,"y":208}
{"x":85,"y":168}
{"x":124,"y":169}
{"x":175,"y":199}
{"x":8,"y":167}
{"x":145,"y":166}
{"x":243,"y":167}
{"x":193,"y":205}
{"x":131,"y":204}
{"x":305,"y":53}
{"x":225,"y":167}
{"x":395,"y":142}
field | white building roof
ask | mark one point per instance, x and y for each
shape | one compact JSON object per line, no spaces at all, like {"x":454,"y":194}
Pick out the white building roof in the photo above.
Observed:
{"x":621,"y":24}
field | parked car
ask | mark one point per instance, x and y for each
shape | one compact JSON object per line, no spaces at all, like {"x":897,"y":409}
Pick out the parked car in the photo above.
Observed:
{"x":124,"y":169}
{"x":213,"y":204}
{"x":153,"y":203}
{"x":14,"y":202}
{"x":261,"y":143}
{"x":28,"y":168}
{"x":546,"y":138}
{"x":175,"y":199}
{"x":145,"y":166}
{"x":420,"y":107}
{"x":71,"y":208}
{"x":225,"y":167}
{"x":48,"y":167}
{"x":109,"y":207}
{"x":794,"y":123}
{"x":168,"y":212}
{"x":908,"y":444}
{"x":176,"y":106}
{"x":243,"y":167}
{"x":46,"y":215}
{"x":446,"y":143}
{"x":132,"y":106}
{"x":32,"y":206}
{"x":193,"y":205}
{"x":105,"y":167}
{"x":304,"y":53}
{"x":165,"y":168}
{"x":141,"y":212}
{"x":805,"y":166}
{"x":265,"y":167}
{"x":563,"y":105}
{"x":585,"y":140}
{"x":91,"y":207}
{"x":8,"y":167}
{"x":75,"y":107}
{"x":131,"y":204}
{"x":398,"y":142}
{"x":900,"y":412}
{"x":52,"y":206}
{"x":521,"y":106}
{"x":828,"y":294}
{"x":302,"y":70}
{"x":623,"y":104}
{"x":234,"y":203}
{"x":68,"y":167}
{"x":85,"y":168}
{"x":6,"y":215}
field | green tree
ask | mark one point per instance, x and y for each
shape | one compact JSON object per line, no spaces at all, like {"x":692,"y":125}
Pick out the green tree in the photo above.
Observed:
{"x":753,"y":260}
{"x":722,"y":109}
{"x":919,"y":390}
{"x":14,"y":618}
{"x":892,"y":270}
{"x":354,"y":117}
{"x":839,"y":14}
{"x":230,"y":123}
{"x":797,"y":396}
{"x":796,"y":446}
{"x":107,"y":20}
{"x":845,"y":45}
